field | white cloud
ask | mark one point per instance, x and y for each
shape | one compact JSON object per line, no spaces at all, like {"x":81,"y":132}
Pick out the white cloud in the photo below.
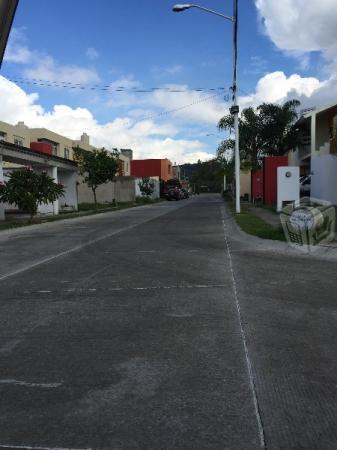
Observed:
{"x":167,"y":70}
{"x":44,"y":66}
{"x":276,"y":86}
{"x":148,"y":138}
{"x":92,"y":53}
{"x":47,"y":68}
{"x":300,"y":25}
{"x":17,"y":50}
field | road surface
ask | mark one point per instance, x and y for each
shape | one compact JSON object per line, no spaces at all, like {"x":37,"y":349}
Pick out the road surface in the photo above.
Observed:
{"x":158,"y":328}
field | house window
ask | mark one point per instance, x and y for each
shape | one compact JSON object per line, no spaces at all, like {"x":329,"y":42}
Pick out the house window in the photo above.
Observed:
{"x":55,"y":148}
{"x":18,"y":140}
{"x":169,"y":169}
{"x":66,"y":153}
{"x":3,"y":136}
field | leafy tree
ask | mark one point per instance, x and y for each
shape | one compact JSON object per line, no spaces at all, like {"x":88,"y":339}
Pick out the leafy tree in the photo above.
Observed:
{"x":208,"y":173}
{"x":146,"y":187}
{"x":27,"y":190}
{"x":268,"y":130}
{"x":96,"y":167}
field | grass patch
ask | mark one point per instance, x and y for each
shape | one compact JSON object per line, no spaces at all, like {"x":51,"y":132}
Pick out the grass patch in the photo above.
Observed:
{"x":254,"y":225}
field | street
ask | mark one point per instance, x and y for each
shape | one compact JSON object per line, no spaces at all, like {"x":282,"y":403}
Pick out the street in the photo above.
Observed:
{"x":158,"y":328}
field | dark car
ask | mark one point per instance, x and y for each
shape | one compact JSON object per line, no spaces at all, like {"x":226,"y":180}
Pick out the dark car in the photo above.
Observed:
{"x":174,"y":193}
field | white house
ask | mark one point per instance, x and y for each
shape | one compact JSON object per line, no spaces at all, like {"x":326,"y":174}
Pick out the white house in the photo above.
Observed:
{"x":317,"y":153}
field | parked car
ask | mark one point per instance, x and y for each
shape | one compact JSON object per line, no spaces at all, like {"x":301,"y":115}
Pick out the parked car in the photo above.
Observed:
{"x":174,"y":193}
{"x":305,"y":186}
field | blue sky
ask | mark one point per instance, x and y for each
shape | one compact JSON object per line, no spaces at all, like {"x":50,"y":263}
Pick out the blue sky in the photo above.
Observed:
{"x":142,"y":44}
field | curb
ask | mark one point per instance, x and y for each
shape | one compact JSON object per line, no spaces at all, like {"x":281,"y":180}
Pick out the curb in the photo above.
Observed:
{"x":326,"y":252}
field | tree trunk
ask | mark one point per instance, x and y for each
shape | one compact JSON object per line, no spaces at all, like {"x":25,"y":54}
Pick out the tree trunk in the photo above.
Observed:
{"x":95,"y":199}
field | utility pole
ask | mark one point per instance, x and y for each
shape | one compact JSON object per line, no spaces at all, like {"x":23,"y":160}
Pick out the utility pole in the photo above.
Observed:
{"x":235,"y":108}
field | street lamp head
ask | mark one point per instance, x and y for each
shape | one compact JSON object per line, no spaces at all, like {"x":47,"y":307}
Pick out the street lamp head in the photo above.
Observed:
{"x":179,"y":8}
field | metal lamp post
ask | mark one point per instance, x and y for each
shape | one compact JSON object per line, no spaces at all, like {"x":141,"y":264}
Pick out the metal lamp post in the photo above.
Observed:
{"x":235,"y":108}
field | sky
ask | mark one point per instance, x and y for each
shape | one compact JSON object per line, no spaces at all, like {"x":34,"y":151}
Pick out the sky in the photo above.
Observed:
{"x":84,"y":51}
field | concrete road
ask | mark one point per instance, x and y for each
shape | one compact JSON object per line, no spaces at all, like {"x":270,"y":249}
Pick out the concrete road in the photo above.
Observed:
{"x":159,"y":328}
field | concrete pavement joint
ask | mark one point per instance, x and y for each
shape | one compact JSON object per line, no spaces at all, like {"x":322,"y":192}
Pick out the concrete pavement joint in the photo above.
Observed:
{"x":28,"y":447}
{"x":244,"y":340}
{"x":138,"y":288}
{"x":28,"y":384}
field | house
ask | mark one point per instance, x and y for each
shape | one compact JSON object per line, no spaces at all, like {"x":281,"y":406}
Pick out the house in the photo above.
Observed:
{"x":62,"y":146}
{"x":44,"y":149}
{"x":14,"y":156}
{"x":316,"y":154}
{"x":161,"y":168}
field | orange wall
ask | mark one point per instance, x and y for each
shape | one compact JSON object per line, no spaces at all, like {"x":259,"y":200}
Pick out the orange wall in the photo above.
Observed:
{"x":166,"y":169}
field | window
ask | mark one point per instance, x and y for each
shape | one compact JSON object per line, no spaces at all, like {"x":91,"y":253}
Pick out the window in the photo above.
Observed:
{"x":66,"y":152}
{"x":169,"y":169}
{"x":18,"y":140}
{"x":3,"y":136}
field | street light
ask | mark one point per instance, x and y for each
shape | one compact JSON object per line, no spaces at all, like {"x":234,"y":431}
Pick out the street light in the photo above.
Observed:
{"x":235,"y":108}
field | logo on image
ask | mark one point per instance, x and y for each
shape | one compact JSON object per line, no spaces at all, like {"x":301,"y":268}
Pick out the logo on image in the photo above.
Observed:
{"x":309,"y":223}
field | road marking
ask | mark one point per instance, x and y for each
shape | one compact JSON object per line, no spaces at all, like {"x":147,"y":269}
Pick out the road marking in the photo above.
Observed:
{"x":79,"y":247}
{"x":26,"y":383}
{"x":28,"y":447}
{"x":244,"y":340}
{"x":137,"y":288}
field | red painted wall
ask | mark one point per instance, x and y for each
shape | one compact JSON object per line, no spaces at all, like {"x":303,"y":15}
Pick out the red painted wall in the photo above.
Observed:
{"x":120,"y":168}
{"x":270,"y":165}
{"x":42,"y":147}
{"x":257,"y":184}
{"x":151,"y":168}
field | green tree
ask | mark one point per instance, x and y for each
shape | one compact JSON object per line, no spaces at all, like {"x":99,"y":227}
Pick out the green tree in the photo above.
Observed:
{"x":146,"y":187}
{"x":27,"y":190}
{"x":208,"y":173}
{"x":96,"y":167}
{"x":268,"y":130}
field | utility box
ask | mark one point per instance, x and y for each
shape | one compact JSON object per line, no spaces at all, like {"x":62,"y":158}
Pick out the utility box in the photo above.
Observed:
{"x":288,"y":186}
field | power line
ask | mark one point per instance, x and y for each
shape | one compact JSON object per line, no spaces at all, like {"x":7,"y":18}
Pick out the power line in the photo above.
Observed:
{"x":106,"y":87}
{"x":153,"y":116}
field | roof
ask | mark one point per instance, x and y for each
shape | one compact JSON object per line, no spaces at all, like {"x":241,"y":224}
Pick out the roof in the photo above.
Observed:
{"x":319,"y":110}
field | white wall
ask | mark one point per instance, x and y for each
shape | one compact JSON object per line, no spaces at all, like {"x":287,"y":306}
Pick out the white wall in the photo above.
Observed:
{"x":288,"y":187}
{"x":49,"y":208}
{"x":324,"y":178}
{"x":2,"y":206}
{"x":69,"y":180}
{"x":156,"y":192}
